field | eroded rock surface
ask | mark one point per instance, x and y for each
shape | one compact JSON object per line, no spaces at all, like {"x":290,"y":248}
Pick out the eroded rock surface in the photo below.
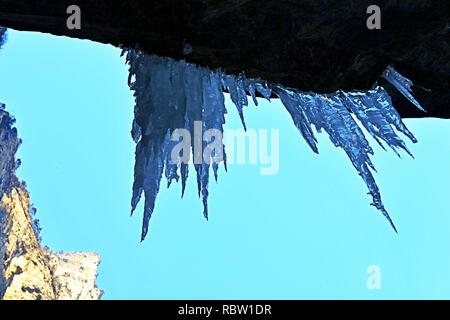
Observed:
{"x":74,"y":275}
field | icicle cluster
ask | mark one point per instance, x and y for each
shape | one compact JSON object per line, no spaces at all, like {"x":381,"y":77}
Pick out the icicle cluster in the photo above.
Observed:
{"x":173,"y":94}
{"x":402,"y":84}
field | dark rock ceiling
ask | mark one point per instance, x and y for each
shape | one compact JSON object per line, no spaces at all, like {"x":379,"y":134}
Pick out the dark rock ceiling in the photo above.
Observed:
{"x":306,"y":44}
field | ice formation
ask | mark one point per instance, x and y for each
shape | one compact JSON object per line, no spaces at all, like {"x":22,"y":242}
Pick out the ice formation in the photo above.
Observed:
{"x":173,"y":94}
{"x":402,"y":84}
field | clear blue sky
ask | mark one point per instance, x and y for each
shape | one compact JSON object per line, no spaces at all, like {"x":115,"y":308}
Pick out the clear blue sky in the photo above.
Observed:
{"x":307,"y":232}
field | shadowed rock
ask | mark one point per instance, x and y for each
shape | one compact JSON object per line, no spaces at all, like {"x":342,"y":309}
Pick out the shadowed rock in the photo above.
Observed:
{"x":313,"y":45}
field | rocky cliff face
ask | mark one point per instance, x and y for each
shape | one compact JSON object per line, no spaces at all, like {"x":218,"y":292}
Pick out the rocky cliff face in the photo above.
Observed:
{"x":29,"y":271}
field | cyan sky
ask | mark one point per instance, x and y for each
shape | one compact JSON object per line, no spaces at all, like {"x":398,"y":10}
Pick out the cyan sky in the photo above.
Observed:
{"x":307,"y":232}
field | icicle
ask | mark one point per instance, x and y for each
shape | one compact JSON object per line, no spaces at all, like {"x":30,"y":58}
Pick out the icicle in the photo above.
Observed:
{"x":375,"y":111}
{"x":173,"y":94}
{"x":402,"y":84}
{"x":327,"y":112}
{"x":237,"y":94}
{"x":250,"y":86}
{"x":291,"y":102}
{"x":264,"y":89}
